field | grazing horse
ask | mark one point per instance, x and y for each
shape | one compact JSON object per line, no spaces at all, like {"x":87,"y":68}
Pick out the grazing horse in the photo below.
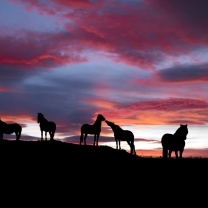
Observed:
{"x":92,"y":129}
{"x":122,"y":135}
{"x":9,"y":129}
{"x":174,"y":142}
{"x":47,"y":126}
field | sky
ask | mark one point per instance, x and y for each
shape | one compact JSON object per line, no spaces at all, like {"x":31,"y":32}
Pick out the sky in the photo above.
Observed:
{"x":142,"y":64}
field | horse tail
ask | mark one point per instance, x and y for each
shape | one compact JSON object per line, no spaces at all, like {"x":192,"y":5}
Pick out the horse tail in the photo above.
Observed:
{"x":164,"y":146}
{"x":132,"y":145}
{"x":133,"y":148}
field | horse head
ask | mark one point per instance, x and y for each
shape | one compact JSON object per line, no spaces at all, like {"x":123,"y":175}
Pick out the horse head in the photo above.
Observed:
{"x":40,"y":116}
{"x":101,"y":117}
{"x":182,"y":131}
{"x":109,"y":123}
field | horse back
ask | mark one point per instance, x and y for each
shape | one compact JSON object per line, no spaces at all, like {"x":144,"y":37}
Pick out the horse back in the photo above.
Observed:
{"x":90,"y":129}
{"x":11,"y":128}
{"x":124,"y":135}
{"x":169,"y":141}
{"x":166,"y":140}
{"x":48,"y":126}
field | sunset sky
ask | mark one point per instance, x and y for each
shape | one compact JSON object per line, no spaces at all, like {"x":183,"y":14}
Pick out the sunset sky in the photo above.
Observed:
{"x":142,"y":64}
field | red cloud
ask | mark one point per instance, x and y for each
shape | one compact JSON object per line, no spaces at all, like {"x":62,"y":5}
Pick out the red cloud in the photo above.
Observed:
{"x":188,"y":153}
{"x":5,"y":89}
{"x":172,"y":104}
{"x":35,"y":50}
{"x":138,"y":33}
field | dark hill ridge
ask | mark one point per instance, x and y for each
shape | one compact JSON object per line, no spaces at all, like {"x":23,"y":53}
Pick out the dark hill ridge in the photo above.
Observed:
{"x":52,"y":152}
{"x":36,"y":169}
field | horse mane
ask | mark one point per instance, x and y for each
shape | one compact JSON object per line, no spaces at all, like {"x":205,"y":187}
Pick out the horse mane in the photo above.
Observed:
{"x":181,"y":132}
{"x":118,"y":127}
{"x":115,"y":126}
{"x":42,"y":116}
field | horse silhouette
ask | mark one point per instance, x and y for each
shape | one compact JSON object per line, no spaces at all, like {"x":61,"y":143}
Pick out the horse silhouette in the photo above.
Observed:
{"x":9,"y":129}
{"x":122,"y":135}
{"x":174,"y":142}
{"x":47,"y":126}
{"x":92,"y":129}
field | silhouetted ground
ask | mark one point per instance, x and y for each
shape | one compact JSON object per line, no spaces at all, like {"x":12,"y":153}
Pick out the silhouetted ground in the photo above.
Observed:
{"x":38,"y":169}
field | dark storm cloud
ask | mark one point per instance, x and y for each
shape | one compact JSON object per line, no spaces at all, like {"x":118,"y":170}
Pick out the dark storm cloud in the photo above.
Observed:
{"x":184,"y":73}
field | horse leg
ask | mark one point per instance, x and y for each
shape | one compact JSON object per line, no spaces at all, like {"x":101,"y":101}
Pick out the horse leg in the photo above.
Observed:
{"x":176,"y":154}
{"x":129,"y":143}
{"x":169,"y":153}
{"x":116,"y":144}
{"x":16,"y":135}
{"x":94,"y":139}
{"x":181,"y":152}
{"x":85,"y":138}
{"x":50,"y":133}
{"x":41,"y":135}
{"x":45,"y":135}
{"x":165,"y":153}
{"x":97,"y":138}
{"x":133,"y":148}
{"x":19,"y":133}
{"x":119,"y":143}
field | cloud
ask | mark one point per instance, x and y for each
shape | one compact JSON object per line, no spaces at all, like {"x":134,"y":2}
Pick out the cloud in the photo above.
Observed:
{"x":184,"y":73}
{"x":142,"y":33}
{"x":34,"y":50}
{"x":171,"y":104}
{"x":160,"y":111}
{"x":5,"y":89}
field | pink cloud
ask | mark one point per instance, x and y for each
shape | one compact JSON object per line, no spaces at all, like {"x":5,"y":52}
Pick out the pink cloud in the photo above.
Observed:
{"x":188,"y":153}
{"x":139,"y":34}
{"x":172,"y":104}
{"x":5,"y":89}
{"x":160,"y":111}
{"x":38,"y":50}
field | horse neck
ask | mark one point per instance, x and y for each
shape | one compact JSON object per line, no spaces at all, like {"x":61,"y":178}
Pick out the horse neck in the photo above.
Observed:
{"x":98,"y":122}
{"x":116,"y":128}
{"x":44,"y":119}
{"x":180,"y":134}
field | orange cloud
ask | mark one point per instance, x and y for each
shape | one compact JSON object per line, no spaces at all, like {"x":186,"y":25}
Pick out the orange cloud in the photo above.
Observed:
{"x":188,"y":153}
{"x":161,"y":111}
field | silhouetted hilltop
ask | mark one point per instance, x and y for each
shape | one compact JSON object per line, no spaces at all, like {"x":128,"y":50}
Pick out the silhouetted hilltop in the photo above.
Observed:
{"x":56,"y":168}
{"x":61,"y":153}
